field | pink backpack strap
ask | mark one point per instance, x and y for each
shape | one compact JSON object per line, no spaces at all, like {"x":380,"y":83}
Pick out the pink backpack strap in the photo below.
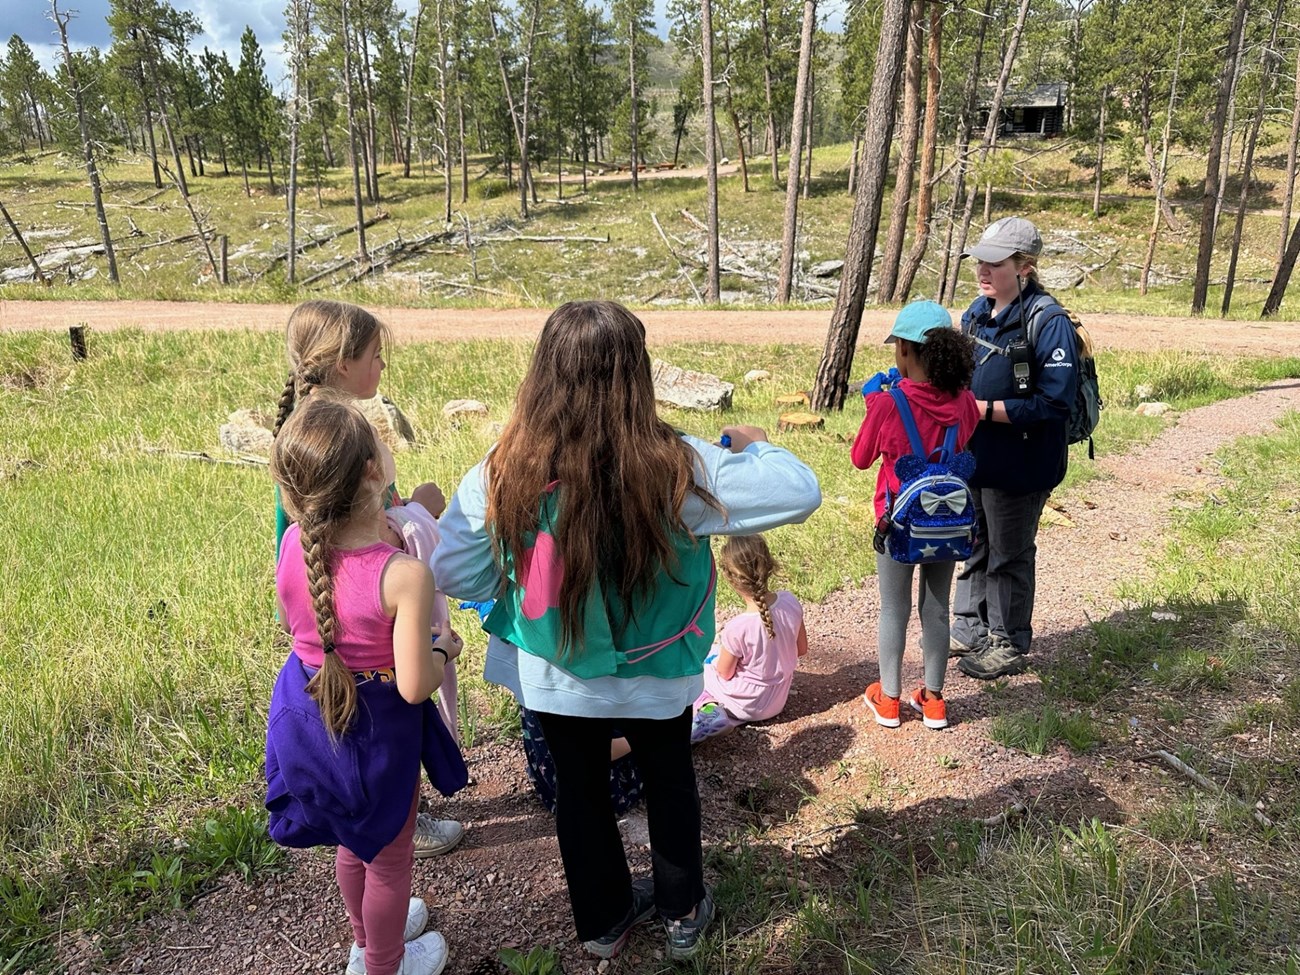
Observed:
{"x":650,"y":649}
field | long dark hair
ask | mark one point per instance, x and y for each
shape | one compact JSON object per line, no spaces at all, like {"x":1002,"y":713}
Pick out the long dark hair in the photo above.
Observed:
{"x":585,"y":417}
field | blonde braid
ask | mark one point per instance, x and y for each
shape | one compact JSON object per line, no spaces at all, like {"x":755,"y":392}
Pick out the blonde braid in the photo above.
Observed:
{"x":749,"y":566}
{"x":333,"y":688}
{"x":287,"y":399}
{"x":758,"y":593}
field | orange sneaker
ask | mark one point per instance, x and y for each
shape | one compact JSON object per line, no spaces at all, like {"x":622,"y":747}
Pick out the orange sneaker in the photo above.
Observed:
{"x":884,"y":708}
{"x":934,"y":711}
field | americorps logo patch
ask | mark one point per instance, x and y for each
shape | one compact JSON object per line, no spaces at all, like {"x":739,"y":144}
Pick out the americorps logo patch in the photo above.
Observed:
{"x":1058,"y":355}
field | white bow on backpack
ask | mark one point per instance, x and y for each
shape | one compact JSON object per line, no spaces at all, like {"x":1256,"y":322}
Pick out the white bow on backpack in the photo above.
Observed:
{"x":954,"y":502}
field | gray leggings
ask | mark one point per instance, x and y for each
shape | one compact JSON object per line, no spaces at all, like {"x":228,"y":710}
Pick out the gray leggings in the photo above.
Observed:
{"x":895,"y":579}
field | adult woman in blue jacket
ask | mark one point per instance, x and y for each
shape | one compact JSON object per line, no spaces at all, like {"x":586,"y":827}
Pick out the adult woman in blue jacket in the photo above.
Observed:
{"x":1024,"y":383}
{"x":589,"y":523}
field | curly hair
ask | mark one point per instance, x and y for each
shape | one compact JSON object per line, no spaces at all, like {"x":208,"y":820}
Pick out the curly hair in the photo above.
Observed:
{"x":948,"y":357}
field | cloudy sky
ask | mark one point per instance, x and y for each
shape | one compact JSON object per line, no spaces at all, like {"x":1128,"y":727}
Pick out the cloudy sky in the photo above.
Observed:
{"x":223,"y":22}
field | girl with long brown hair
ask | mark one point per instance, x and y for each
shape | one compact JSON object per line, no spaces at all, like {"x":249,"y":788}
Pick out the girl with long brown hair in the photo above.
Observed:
{"x":589,"y":523}
{"x":351,"y":720}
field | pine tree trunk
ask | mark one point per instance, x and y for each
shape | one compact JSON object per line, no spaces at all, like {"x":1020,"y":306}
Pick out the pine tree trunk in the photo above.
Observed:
{"x":1267,"y":66}
{"x":964,"y":127}
{"x":712,"y":292}
{"x":808,"y":126}
{"x":789,"y":224}
{"x":148,"y":127}
{"x":1163,"y":170}
{"x":929,"y":143}
{"x":990,"y":140}
{"x":1292,"y":144}
{"x":410,"y":90}
{"x":767,"y":94}
{"x":87,"y":145}
{"x":1209,"y":199}
{"x":854,"y":161}
{"x":846,"y":318}
{"x":1229,"y":134}
{"x":350,"y":107}
{"x":902,"y":202}
{"x":631,"y":82}
{"x":445,"y":106}
{"x":464,"y":154}
{"x":1101,"y":152}
{"x":367,"y":92}
{"x":735,"y":118}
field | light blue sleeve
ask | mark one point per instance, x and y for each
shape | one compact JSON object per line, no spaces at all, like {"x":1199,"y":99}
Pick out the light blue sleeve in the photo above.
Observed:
{"x":462,"y":563}
{"x":762,"y":487}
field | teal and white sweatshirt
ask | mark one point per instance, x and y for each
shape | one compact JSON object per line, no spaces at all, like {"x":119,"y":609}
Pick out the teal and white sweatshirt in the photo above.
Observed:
{"x":760,"y":488}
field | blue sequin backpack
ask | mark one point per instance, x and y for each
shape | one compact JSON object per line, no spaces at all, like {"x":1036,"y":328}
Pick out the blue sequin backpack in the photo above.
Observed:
{"x":932,"y":518}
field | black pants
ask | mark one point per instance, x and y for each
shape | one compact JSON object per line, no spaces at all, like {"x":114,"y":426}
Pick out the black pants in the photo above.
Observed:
{"x":595,"y":866}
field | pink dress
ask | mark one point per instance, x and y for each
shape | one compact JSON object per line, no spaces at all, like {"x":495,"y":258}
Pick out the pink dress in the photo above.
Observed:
{"x":761,"y":684}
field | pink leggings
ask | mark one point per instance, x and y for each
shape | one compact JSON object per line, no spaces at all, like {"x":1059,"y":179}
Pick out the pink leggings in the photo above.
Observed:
{"x":377,"y":895}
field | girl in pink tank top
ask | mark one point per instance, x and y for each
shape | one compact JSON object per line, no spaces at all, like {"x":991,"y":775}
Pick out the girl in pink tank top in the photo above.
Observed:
{"x":355,"y":605}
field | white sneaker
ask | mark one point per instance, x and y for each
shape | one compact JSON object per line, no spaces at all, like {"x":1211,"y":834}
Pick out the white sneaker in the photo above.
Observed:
{"x":426,"y":955}
{"x":436,"y":836}
{"x":417,"y":919}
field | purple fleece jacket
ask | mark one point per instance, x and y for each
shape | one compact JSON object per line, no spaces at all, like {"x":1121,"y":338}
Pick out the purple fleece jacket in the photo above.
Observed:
{"x":355,"y":792}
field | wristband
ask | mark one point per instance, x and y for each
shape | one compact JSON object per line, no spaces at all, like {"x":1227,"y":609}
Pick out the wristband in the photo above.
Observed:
{"x":445,"y":659}
{"x":988,"y":411}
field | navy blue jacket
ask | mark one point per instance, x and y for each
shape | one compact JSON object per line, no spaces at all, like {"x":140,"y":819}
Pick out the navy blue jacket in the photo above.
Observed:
{"x":1030,"y":453}
{"x":355,"y":792}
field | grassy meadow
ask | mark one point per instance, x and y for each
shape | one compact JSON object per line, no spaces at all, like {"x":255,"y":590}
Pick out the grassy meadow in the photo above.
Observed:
{"x":1052,"y":186}
{"x":138,"y":646}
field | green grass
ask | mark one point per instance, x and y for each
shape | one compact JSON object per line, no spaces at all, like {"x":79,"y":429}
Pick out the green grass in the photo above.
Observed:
{"x":1036,"y":731}
{"x":137,"y":637}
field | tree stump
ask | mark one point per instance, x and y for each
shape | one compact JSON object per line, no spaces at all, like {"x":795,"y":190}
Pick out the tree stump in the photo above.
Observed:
{"x":792,"y":399}
{"x":799,"y":420}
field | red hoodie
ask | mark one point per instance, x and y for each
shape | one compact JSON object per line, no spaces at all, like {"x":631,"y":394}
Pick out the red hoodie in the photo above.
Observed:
{"x":882,"y":433}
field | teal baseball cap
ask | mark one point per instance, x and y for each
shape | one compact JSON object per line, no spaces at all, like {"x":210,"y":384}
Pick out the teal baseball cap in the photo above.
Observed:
{"x":918,"y":320}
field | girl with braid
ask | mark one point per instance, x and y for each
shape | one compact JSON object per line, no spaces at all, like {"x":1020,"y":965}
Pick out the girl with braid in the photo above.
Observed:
{"x":749,"y":679}
{"x":336,"y":346}
{"x":339,"y":348}
{"x":351,"y":720}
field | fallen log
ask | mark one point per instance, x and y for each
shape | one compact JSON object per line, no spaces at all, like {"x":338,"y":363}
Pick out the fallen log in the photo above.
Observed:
{"x":320,"y":242}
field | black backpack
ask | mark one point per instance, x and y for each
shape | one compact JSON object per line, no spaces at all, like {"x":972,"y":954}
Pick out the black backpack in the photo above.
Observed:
{"x":1085,"y":411}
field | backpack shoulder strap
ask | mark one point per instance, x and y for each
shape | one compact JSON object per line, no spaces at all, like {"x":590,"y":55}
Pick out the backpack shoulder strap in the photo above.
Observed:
{"x":1043,"y":307}
{"x":908,"y":420}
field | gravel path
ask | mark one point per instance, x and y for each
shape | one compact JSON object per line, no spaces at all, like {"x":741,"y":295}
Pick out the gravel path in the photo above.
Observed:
{"x":807,"y":327}
{"x":504,"y":887}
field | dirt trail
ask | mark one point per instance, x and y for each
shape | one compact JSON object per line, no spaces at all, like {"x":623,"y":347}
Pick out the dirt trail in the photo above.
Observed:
{"x":806,"y":327}
{"x":503,"y":887}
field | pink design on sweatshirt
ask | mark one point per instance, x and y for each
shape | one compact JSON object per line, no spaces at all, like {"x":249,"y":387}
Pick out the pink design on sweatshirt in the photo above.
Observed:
{"x":541,"y":577}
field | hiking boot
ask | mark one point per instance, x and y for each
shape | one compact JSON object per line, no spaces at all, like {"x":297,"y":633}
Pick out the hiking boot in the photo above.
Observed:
{"x":643,"y":905}
{"x":436,"y":836}
{"x":684,"y":933}
{"x":417,"y":918}
{"x":998,"y":659}
{"x":426,"y":954}
{"x":883,"y":707}
{"x":933,"y":711}
{"x":958,"y":649}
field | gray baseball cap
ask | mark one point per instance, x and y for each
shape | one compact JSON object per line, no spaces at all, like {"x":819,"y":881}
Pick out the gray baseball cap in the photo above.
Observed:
{"x":1002,"y":238}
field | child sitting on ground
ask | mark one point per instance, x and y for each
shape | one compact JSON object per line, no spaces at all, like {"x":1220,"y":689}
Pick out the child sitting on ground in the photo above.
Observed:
{"x":749,"y":678}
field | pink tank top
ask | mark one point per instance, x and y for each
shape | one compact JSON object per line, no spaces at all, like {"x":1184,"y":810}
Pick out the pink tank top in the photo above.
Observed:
{"x":363,"y":635}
